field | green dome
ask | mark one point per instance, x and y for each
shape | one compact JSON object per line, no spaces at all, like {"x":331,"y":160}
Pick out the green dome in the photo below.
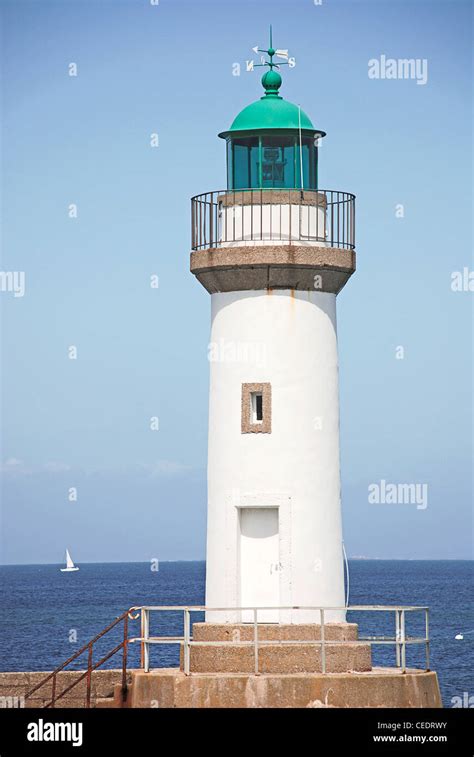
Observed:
{"x":271,"y":112}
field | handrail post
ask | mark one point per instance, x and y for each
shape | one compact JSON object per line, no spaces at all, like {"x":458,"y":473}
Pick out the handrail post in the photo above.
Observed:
{"x":142,"y":633}
{"x":397,"y":637}
{"x":251,"y":214}
{"x":289,"y":216}
{"x":211,"y":221}
{"x":89,"y":676}
{"x":427,"y":637}
{"x":255,"y":640}
{"x":353,"y":224}
{"x":332,"y":221}
{"x":404,"y":649}
{"x":323,"y":639}
{"x":124,"y":658}
{"x":53,"y":691}
{"x":187,"y":647}
{"x":146,"y":645}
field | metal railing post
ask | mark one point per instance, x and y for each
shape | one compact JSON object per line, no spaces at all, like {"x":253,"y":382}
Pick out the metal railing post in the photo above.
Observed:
{"x":146,"y":636}
{"x":187,"y":647}
{"x":280,"y":207}
{"x":332,"y":220}
{"x":353,"y":223}
{"x":289,"y":216}
{"x":427,"y":637}
{"x":53,"y":691}
{"x":233,"y":217}
{"x":404,"y":649}
{"x":142,"y":633}
{"x":211,"y":222}
{"x":89,"y":676}
{"x":255,"y":640}
{"x":323,"y":642}
{"x":397,"y":637}
{"x":124,"y":658}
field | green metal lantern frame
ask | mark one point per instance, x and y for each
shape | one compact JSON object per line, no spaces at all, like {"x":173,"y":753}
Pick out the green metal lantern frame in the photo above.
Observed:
{"x":304,"y":149}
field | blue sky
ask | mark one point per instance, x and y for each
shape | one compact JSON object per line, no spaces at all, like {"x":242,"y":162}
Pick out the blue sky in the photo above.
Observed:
{"x":142,"y":352}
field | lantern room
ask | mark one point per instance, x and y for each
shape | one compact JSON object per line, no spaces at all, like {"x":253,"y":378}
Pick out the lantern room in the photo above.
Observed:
{"x":272,"y":144}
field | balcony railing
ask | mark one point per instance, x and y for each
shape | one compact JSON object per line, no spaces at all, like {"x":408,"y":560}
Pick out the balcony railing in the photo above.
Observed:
{"x":273,"y":216}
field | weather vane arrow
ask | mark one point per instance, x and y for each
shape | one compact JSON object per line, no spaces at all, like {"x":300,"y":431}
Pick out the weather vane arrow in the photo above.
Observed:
{"x":271,"y":52}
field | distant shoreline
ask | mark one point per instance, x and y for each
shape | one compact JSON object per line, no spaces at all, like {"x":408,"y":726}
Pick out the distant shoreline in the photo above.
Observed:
{"x":172,"y":562}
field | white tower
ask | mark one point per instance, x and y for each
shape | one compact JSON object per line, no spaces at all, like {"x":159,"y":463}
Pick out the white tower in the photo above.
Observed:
{"x":273,"y":250}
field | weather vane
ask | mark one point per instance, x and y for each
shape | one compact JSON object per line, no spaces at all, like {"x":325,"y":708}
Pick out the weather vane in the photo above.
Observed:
{"x":271,"y":52}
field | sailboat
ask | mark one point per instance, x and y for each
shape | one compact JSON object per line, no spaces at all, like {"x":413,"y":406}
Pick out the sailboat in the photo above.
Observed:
{"x":69,"y":564}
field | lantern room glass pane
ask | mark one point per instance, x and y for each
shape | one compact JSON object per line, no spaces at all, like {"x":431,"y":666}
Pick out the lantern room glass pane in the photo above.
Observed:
{"x":244,"y":163}
{"x":307,"y":157}
{"x":240,"y":166}
{"x":278,"y":162}
{"x":255,"y":165}
{"x":230,"y":170}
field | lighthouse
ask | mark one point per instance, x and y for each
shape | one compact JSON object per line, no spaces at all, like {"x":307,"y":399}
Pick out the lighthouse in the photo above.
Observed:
{"x":273,"y":250}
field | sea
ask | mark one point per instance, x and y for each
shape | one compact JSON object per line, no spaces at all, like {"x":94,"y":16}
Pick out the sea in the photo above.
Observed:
{"x":46,"y":616}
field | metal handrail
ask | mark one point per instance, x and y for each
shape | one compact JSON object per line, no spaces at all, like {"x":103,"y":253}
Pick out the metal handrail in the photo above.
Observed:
{"x":90,"y":665}
{"x":400,"y":640}
{"x":323,"y":217}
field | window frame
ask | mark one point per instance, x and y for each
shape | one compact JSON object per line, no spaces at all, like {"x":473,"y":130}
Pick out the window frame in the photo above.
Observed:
{"x":248,"y":425}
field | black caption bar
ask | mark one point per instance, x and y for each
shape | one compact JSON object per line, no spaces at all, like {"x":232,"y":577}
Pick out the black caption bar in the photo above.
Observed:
{"x":384,"y":731}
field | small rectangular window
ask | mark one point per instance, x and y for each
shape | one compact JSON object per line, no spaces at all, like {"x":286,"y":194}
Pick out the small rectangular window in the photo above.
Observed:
{"x":256,"y":408}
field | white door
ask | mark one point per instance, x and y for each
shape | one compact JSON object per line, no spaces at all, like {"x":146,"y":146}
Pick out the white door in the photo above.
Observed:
{"x":259,"y":562}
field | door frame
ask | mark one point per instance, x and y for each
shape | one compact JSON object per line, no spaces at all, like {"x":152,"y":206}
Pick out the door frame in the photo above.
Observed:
{"x":260,"y":498}
{"x":253,"y":506}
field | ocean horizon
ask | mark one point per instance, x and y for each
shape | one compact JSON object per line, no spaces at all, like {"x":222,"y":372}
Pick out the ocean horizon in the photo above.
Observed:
{"x":147,"y":562}
{"x":48,"y":615}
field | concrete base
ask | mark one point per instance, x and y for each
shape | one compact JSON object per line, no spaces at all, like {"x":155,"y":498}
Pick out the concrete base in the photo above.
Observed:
{"x":14,"y":686}
{"x":279,"y":658}
{"x":274,"y":631}
{"x":381,"y":687}
{"x":228,"y":654}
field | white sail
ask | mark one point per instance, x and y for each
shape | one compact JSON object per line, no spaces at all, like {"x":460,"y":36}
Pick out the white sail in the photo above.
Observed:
{"x":69,"y":564}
